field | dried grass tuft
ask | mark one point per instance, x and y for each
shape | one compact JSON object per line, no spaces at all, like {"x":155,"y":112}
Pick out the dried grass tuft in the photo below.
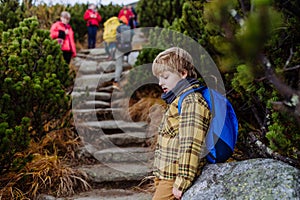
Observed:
{"x":146,"y":185}
{"x":151,"y":110}
{"x":47,"y":172}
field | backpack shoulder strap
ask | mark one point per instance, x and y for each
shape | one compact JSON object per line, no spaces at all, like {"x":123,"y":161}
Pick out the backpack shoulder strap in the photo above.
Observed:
{"x":186,"y":93}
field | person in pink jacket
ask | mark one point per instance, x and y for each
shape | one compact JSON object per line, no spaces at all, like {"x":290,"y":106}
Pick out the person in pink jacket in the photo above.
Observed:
{"x":92,"y":18}
{"x":63,"y":33}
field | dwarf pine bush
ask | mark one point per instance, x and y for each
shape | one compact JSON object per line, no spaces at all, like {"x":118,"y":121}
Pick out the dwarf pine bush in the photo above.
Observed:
{"x":34,"y":78}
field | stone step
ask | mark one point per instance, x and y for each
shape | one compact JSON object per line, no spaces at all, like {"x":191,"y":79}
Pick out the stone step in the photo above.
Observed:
{"x":93,"y":67}
{"x":92,"y":104}
{"x":117,"y":172}
{"x":111,"y":194}
{"x":95,"y":51}
{"x":108,"y":88}
{"x":96,"y":111}
{"x":100,"y":113}
{"x":125,"y":154}
{"x":114,"y":126}
{"x":87,"y":95}
{"x":127,"y":139}
{"x":104,"y":87}
{"x":93,"y":80}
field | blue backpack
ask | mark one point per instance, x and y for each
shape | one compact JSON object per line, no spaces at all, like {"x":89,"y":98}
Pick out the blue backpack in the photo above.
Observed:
{"x":223,"y":130}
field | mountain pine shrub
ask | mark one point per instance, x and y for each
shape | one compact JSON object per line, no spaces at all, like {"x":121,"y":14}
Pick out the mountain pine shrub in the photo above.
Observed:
{"x":34,"y":79}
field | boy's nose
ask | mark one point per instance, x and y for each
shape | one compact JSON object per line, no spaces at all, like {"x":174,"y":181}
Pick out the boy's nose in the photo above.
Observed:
{"x":159,"y":82}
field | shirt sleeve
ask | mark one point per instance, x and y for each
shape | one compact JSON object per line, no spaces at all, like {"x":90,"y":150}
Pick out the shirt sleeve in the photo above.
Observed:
{"x":193,"y":125}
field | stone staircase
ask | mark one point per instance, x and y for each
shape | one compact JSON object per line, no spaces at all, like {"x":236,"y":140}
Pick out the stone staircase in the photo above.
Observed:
{"x":110,"y":136}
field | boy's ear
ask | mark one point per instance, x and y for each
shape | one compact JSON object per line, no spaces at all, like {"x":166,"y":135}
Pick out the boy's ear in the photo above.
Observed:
{"x":184,"y":74}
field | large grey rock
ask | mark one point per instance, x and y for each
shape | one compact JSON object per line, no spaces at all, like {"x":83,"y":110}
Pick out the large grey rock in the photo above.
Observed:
{"x":250,"y":179}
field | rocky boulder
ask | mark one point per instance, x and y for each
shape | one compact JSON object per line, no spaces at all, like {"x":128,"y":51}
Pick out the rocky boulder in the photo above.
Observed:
{"x":250,"y":179}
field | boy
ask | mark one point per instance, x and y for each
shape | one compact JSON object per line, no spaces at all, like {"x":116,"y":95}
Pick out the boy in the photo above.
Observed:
{"x":180,"y":141}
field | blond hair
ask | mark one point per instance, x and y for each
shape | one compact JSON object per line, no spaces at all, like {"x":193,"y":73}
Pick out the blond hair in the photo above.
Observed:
{"x":175,"y":60}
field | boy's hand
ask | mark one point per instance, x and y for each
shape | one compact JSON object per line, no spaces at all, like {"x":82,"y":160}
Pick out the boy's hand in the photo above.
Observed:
{"x":177,"y":193}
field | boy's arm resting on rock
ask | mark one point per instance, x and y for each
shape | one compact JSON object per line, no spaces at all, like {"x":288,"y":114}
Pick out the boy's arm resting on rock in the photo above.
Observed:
{"x":194,"y":123}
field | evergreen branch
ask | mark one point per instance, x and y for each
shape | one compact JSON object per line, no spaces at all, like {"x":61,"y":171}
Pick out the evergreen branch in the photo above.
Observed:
{"x":292,"y":104}
{"x":267,"y":152}
{"x":282,"y":107}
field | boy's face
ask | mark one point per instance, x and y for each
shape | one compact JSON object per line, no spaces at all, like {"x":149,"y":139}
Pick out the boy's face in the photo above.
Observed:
{"x":168,"y":80}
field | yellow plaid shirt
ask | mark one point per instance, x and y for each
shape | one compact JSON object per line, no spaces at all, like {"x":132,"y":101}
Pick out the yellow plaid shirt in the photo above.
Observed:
{"x":180,"y":141}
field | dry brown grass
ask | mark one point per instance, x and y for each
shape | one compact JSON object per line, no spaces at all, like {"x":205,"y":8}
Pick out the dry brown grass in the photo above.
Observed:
{"x":48,"y":171}
{"x":146,"y":185}
{"x":151,"y":110}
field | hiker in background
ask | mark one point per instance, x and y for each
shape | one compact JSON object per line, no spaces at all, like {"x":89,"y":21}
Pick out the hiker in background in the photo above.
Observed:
{"x":92,"y":18}
{"x":126,"y":12}
{"x":133,"y":20}
{"x":63,"y":33}
{"x":179,"y":152}
{"x":124,"y":37}
{"x":110,"y":36}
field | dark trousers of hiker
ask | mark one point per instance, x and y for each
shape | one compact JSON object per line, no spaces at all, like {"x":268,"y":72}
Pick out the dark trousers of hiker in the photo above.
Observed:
{"x":92,"y":33}
{"x":67,"y":56}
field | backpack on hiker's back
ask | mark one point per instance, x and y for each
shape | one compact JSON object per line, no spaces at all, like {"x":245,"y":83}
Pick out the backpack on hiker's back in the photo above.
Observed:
{"x":124,"y":37}
{"x":110,"y":29}
{"x":223,"y":130}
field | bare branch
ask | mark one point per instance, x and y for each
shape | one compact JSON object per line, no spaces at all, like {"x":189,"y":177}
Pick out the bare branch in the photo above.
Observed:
{"x":292,"y":68}
{"x":262,"y":127}
{"x":289,"y":59}
{"x":242,"y":6}
{"x":281,"y":87}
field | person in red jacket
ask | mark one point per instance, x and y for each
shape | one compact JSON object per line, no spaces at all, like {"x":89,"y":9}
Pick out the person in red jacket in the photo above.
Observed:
{"x":63,"y":33}
{"x":92,"y":18}
{"x":125,"y":11}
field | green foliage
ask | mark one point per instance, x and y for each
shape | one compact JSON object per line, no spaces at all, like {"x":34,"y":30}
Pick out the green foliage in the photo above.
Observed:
{"x":33,"y":79}
{"x":265,"y":30}
{"x":77,"y":22}
{"x":108,"y":11}
{"x":282,"y":135}
{"x":10,"y":14}
{"x":156,"y":13}
{"x":46,"y":15}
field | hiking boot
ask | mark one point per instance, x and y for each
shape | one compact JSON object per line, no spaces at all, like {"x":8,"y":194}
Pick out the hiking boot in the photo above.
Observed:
{"x":116,"y":86}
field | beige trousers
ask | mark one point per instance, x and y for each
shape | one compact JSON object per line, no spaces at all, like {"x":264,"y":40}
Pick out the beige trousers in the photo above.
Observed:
{"x":163,"y":189}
